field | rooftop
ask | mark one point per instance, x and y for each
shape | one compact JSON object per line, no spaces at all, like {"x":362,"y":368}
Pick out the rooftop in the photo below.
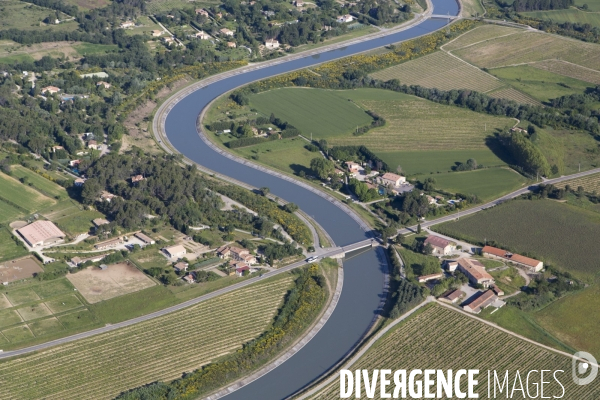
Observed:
{"x":482,"y":299}
{"x":437,"y":241}
{"x":475,"y":268}
{"x":532,"y":262}
{"x":390,"y":176}
{"x":40,"y":231}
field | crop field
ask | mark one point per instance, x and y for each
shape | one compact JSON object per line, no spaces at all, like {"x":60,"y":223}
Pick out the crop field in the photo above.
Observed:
{"x":542,"y":85}
{"x":424,"y":162}
{"x":41,"y":184}
{"x":557,"y":233}
{"x":20,"y":196}
{"x":486,"y":184}
{"x":96,"y":285}
{"x":159,"y":349}
{"x":571,"y":70}
{"x":440,"y":338}
{"x":590,"y":183}
{"x":414,"y":124}
{"x":528,"y":47}
{"x":569,"y":320}
{"x":331,"y":114}
{"x":569,"y":15}
{"x":480,"y":34}
{"x":442,"y":71}
{"x":8,"y":213}
{"x":287,"y":155}
{"x":472,"y":8}
{"x":513,"y":94}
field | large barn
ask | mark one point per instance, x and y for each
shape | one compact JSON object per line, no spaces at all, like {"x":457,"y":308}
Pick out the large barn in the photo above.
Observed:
{"x":41,"y":233}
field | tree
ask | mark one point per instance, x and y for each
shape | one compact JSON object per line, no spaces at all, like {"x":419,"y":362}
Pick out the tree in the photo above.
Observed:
{"x":387,"y":232}
{"x":419,"y":228}
{"x":264,"y":191}
{"x":322,"y":168}
{"x":290,"y":207}
{"x":428,"y":249}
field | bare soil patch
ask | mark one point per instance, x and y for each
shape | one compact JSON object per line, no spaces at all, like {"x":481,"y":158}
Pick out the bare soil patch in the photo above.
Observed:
{"x":18,"y":224}
{"x":96,"y":285}
{"x":138,"y":121}
{"x":15,"y":270}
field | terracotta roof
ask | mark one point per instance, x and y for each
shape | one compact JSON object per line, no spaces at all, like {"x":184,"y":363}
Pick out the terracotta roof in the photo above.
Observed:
{"x":437,"y":241}
{"x":390,"y":176}
{"x":510,"y":256}
{"x":474,"y":268}
{"x":452,"y":294}
{"x":481,"y":300}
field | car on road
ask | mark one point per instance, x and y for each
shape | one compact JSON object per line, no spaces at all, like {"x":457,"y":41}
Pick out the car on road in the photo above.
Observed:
{"x":311,"y":259}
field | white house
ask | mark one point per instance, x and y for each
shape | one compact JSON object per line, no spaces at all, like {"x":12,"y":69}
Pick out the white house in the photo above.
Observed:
{"x":391,"y":179}
{"x":127,"y":24}
{"x":226,"y":32}
{"x":176,"y":251}
{"x":272,"y":44}
{"x":441,"y":246}
{"x":342,"y":19}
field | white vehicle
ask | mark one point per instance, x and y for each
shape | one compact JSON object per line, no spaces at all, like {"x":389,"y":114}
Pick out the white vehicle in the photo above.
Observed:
{"x":311,"y":259}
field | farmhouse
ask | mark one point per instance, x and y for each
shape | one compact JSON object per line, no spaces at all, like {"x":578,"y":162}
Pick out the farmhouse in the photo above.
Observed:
{"x":127,"y":24}
{"x":272,"y":44}
{"x":441,"y":246}
{"x":298,"y":3}
{"x":497,"y":290}
{"x":109,"y":244}
{"x":236,"y":254}
{"x":144,"y":238}
{"x":137,"y":178}
{"x":226,"y":32}
{"x":232,"y":45}
{"x":79,"y":182}
{"x":475,"y":271}
{"x":181,"y":267}
{"x":54,"y":148}
{"x":481,"y":302}
{"x":98,"y":222}
{"x":189,"y":278}
{"x":105,"y":84}
{"x":342,"y":19}
{"x":92,"y":144}
{"x":240,"y":271}
{"x":353,"y":167}
{"x":391,"y":179}
{"x":201,"y":35}
{"x":431,"y":277}
{"x":157,"y":33}
{"x":452,"y":296}
{"x":201,"y":11}
{"x":106,"y":196}
{"x":41,"y":233}
{"x":50,"y":90}
{"x":530,"y":264}
{"x":176,"y":251}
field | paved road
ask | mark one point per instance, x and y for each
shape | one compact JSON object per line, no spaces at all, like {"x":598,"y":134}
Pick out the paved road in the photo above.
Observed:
{"x":108,"y":328}
{"x":476,"y":209}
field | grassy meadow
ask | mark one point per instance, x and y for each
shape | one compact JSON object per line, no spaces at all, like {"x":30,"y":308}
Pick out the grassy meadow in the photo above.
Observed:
{"x":9,"y":249}
{"x":480,"y":34}
{"x":39,"y":183}
{"x":288,"y":155}
{"x":440,"y":338}
{"x":26,"y":16}
{"x":571,"y":15}
{"x":324,"y":113}
{"x":559,"y":234}
{"x":487,"y":184}
{"x":570,"y":70}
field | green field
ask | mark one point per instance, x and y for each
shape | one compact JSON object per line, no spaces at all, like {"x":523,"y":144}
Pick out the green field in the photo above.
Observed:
{"x":486,"y":184}
{"x":572,"y":15}
{"x":8,"y":213}
{"x":571,"y":70}
{"x":41,"y":184}
{"x":78,"y":222}
{"x":480,"y":34}
{"x":539,"y":84}
{"x":574,"y":319}
{"x":288,"y":155}
{"x":26,"y":16}
{"x":418,"y":264}
{"x":508,"y":279}
{"x":154,"y":348}
{"x":21,"y":196}
{"x":9,"y":249}
{"x":440,"y":338}
{"x":324,"y":113}
{"x":557,"y":233}
{"x":420,"y":162}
